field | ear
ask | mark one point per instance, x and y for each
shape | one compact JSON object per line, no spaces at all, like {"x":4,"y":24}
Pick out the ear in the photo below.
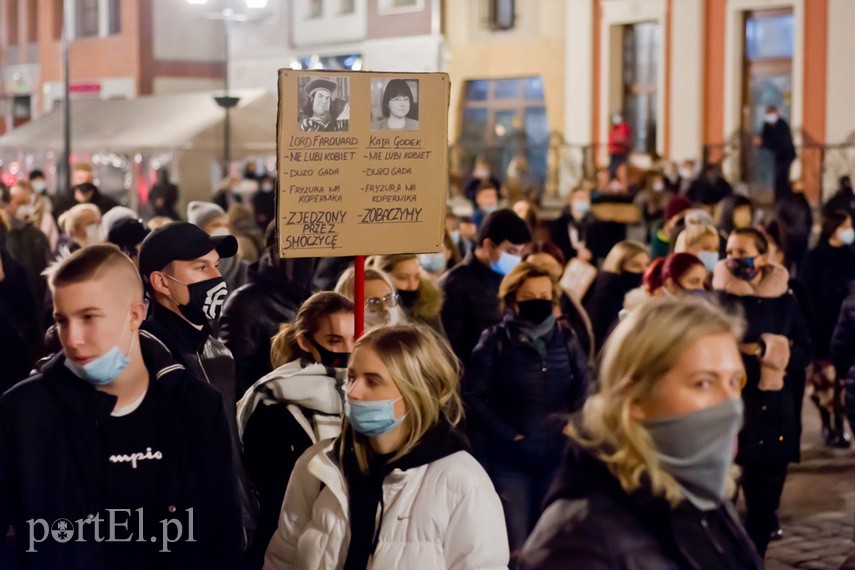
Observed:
{"x":304,"y":343}
{"x":636,"y":413}
{"x":138,"y":311}
{"x":159,"y":283}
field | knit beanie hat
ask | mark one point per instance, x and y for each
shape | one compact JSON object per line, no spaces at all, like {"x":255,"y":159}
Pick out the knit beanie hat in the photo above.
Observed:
{"x":202,"y":213}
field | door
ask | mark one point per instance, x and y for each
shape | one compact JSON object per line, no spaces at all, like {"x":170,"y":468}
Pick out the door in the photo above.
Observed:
{"x":767,"y":80}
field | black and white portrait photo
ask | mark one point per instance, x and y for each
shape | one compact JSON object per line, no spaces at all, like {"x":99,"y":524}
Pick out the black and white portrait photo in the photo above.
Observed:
{"x":324,"y":103}
{"x":395,"y":104}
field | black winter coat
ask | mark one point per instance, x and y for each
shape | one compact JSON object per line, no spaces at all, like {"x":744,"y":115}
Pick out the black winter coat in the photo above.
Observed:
{"x":604,"y":301}
{"x":252,"y":315}
{"x":53,"y":465}
{"x":772,"y":426}
{"x":590,"y":522}
{"x":205,"y":357}
{"x":842,"y":353}
{"x":826,"y":274}
{"x":471,"y":304}
{"x":513,"y":389}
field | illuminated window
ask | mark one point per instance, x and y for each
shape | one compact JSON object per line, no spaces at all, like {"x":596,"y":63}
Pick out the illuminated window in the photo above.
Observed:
{"x":503,"y":117}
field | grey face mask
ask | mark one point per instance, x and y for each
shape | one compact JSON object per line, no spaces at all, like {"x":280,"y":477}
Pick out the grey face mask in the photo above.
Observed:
{"x":697,"y":449}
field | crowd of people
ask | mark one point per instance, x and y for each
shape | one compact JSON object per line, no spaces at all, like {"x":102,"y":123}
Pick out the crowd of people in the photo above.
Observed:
{"x":539,"y":394}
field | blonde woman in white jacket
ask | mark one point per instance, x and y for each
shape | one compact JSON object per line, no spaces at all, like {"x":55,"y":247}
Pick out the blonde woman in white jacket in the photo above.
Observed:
{"x":397,"y":489}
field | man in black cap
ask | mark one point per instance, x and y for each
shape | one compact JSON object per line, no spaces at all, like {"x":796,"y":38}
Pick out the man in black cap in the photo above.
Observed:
{"x":316,"y":111}
{"x":178,"y":263}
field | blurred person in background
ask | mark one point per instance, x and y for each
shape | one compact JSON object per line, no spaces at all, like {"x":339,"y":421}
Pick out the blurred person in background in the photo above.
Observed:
{"x":486,"y":202}
{"x":570,"y":230}
{"x":684,"y":274}
{"x":843,"y":199}
{"x":43,"y":208}
{"x":471,"y":288}
{"x":547,"y":255}
{"x":382,"y":305}
{"x":163,"y":196}
{"x":776,"y":349}
{"x":776,"y":137}
{"x":481,"y":174}
{"x":621,"y":272}
{"x":702,"y":240}
{"x":648,"y":477}
{"x":252,"y":313}
{"x":242,"y":225}
{"x":662,"y":237}
{"x":735,"y":212}
{"x":297,"y":405}
{"x":418,"y":296}
{"x":620,"y":143}
{"x":25,"y":242}
{"x":828,"y":273}
{"x":521,"y":383}
{"x":80,"y":227}
{"x":264,"y":202}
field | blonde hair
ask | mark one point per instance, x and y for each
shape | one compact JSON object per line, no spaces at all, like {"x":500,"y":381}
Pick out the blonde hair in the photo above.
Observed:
{"x":425,"y":370}
{"x":515,"y":278}
{"x":642,"y":349}
{"x":68,"y":219}
{"x":387,"y":263}
{"x":692,"y":234}
{"x":345,"y":282}
{"x":621,"y":253}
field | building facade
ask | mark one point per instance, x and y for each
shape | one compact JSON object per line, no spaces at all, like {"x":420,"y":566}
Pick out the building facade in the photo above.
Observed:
{"x":692,"y":77}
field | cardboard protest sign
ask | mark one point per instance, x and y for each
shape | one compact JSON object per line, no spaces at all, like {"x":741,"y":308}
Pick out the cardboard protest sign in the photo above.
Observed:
{"x":362,"y":162}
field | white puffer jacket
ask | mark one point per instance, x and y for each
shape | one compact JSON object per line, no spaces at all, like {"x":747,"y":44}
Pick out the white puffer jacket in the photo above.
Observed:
{"x":445,"y":514}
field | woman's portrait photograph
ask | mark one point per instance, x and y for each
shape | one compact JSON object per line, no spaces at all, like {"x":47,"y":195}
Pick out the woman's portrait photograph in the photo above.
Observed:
{"x":395,"y":104}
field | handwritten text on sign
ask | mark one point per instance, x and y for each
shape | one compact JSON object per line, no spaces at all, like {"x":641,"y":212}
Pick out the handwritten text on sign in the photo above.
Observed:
{"x":355,"y":179}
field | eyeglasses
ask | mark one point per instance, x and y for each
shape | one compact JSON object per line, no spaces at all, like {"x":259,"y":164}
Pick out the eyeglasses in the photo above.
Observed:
{"x":401,"y":99}
{"x":377,"y":303}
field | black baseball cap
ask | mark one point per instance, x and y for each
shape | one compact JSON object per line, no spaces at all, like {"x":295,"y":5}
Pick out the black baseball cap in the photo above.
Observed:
{"x":180,"y":241}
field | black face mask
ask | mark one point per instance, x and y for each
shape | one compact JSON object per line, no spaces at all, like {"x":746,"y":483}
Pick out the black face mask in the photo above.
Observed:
{"x":408,"y":298}
{"x":535,"y":310}
{"x":206,"y":300}
{"x":631,"y":280}
{"x":328,"y":357}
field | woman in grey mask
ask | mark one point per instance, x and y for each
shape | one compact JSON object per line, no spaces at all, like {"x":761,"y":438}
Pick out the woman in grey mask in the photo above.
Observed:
{"x":647,"y":480}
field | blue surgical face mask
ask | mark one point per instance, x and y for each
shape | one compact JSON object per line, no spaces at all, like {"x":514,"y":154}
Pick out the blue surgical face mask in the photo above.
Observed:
{"x":847,"y":236}
{"x":582,"y":207}
{"x":505,"y":263}
{"x":372,"y":418}
{"x":433,"y":262}
{"x":709,"y":259}
{"x":102,"y":370}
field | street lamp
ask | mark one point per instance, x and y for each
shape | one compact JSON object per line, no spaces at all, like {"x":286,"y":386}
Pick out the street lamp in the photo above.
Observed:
{"x":228,"y":16}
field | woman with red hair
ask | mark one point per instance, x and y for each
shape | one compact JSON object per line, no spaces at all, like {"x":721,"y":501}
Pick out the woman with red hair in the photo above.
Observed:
{"x":683,"y":273}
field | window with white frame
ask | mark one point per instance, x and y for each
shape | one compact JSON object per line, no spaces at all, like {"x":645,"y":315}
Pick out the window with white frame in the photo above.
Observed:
{"x":94,"y":18}
{"x":347,"y":7}
{"x":395,"y":6}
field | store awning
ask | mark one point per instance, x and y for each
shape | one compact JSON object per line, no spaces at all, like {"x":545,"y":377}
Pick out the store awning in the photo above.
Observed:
{"x":185,"y":121}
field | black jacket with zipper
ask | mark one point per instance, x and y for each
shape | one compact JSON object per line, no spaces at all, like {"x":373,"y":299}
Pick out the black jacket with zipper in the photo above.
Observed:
{"x":590,"y":522}
{"x":53,"y":466}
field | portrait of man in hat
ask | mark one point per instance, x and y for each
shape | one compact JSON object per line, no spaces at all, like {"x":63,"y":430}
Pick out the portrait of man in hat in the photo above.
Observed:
{"x":322,"y":110}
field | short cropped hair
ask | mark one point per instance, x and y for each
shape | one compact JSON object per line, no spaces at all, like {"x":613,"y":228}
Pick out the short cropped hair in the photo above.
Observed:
{"x":504,"y":225}
{"x":92,"y":262}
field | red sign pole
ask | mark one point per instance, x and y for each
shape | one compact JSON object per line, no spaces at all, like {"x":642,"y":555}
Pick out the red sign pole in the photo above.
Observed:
{"x":359,"y":294}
